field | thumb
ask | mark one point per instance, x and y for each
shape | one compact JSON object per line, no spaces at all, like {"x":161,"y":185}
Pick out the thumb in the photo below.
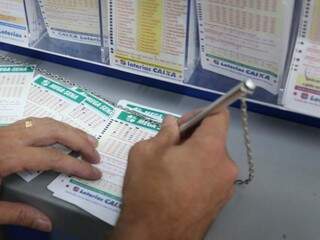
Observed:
{"x":24,"y":215}
{"x":169,"y":132}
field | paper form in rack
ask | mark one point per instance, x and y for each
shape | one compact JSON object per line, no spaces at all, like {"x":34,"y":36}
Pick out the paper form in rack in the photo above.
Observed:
{"x":149,"y":37}
{"x":13,"y":22}
{"x":302,"y":93}
{"x":246,"y":39}
{"x":36,"y":25}
{"x":15,"y":83}
{"x":102,"y":198}
{"x":76,"y":21}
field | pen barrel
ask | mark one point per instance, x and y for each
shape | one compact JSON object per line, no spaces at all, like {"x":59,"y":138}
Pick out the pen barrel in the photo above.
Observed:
{"x":224,"y":101}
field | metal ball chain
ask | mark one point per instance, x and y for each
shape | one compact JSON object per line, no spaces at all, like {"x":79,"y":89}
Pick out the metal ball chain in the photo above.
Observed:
{"x":247,"y":143}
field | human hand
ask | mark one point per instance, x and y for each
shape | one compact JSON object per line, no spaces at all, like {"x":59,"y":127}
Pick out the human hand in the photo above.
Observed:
{"x":174,"y":189}
{"x":25,"y":148}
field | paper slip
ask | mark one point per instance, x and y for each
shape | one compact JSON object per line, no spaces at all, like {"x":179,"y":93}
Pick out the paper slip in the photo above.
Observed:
{"x":302,"y":92}
{"x":28,"y":176}
{"x":65,"y":104}
{"x":102,"y":198}
{"x":15,"y":82}
{"x":13,"y":22}
{"x":76,"y":21}
{"x":147,"y":111}
{"x":53,"y":97}
{"x":149,"y":37}
{"x":93,"y":202}
{"x":14,"y":88}
{"x":94,"y":112}
{"x":246,"y":39}
{"x":48,"y":98}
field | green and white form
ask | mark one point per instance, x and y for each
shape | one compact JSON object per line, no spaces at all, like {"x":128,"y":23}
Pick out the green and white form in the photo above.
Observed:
{"x":103,"y":198}
{"x":14,"y":88}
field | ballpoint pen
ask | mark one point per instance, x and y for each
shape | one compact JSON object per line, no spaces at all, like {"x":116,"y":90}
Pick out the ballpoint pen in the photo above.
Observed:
{"x":242,"y":89}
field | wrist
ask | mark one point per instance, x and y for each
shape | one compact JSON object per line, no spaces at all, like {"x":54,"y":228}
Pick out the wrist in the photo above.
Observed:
{"x":135,"y":228}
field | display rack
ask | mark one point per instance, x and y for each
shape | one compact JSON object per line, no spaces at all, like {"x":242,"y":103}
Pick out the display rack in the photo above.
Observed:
{"x":201,"y":83}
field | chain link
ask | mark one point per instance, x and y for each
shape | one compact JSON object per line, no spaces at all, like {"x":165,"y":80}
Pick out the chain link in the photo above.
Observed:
{"x":244,"y":113}
{"x":247,"y":143}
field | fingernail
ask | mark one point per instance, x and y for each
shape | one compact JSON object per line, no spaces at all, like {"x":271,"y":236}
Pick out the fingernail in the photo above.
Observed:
{"x":93,"y":140}
{"x":97,"y":157}
{"x":43,"y":225}
{"x":97,"y":173}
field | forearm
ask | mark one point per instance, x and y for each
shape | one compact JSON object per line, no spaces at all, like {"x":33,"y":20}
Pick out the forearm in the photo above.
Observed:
{"x":146,"y":230}
{"x":133,"y":231}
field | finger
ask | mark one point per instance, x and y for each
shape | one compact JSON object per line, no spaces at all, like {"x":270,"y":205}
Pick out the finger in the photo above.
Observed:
{"x":188,"y":116}
{"x":169,"y":133}
{"x":214,"y":127}
{"x":46,"y":131}
{"x":42,"y":159}
{"x":24,"y":215}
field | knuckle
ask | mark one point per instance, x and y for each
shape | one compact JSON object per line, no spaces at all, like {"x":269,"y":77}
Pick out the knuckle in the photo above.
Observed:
{"x":79,"y":168}
{"x":75,"y":136}
{"x":47,"y":120}
{"x":232,"y":170}
{"x":79,"y":131}
{"x":29,"y":118}
{"x":81,"y":136}
{"x":39,"y":122}
{"x":22,"y":217}
{"x":55,"y":158}
{"x":55,"y":131}
{"x":141,"y":148}
{"x":136,"y":149}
